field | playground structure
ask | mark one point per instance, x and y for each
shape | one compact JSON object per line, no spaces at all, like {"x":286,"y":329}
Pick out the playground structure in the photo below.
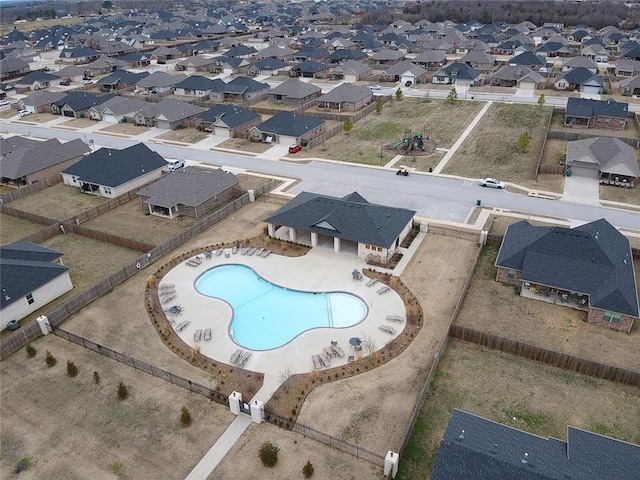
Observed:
{"x":413,"y":143}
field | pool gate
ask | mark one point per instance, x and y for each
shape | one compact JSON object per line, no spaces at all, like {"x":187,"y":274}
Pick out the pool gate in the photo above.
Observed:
{"x":255,"y":409}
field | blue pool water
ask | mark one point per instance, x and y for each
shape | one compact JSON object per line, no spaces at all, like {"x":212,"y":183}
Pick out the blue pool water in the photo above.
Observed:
{"x":267,"y":316}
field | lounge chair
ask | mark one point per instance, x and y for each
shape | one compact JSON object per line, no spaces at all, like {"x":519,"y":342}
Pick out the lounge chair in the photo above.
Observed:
{"x":197,"y":335}
{"x":251,"y":251}
{"x":324,"y":358}
{"x":235,"y":356}
{"x":243,"y":251}
{"x":227,"y":253}
{"x":372,"y":282}
{"x":384,"y":289}
{"x":207,"y":334}
{"x":208,"y":254}
{"x":317,"y":363}
{"x":387,"y":329}
{"x":182,"y":325}
{"x":265,"y":254}
{"x":168,"y":299}
{"x":329,"y":351}
{"x":219,"y":252}
{"x":259,"y":252}
{"x":167,"y":286}
{"x":243,"y":359}
{"x":234,"y":249}
{"x":339,"y":352}
{"x":395,"y":318}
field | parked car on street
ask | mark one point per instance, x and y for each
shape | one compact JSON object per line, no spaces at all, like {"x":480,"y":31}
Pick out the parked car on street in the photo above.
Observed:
{"x":295,"y":148}
{"x":492,"y":183}
{"x":376,"y":87}
{"x":176,"y":165}
{"x":65,"y":82}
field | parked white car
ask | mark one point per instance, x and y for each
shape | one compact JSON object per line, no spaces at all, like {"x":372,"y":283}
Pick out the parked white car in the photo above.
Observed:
{"x":376,"y":87}
{"x":24,"y":113}
{"x":175,"y":165}
{"x":493,"y":183}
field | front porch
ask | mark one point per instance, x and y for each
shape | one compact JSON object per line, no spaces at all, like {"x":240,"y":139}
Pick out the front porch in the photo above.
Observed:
{"x":312,"y":239}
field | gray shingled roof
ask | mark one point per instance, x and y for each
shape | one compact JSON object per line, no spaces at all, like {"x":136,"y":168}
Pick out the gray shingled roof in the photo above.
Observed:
{"x":606,"y":154}
{"x":173,"y":110}
{"x":25,"y":267}
{"x":517,"y":72}
{"x":161,"y":79}
{"x":294,"y":88}
{"x":580,"y":76}
{"x":112,"y":168}
{"x":349,"y":218}
{"x":231,"y":116}
{"x":593,"y":259}
{"x":43,"y":97}
{"x":346,"y":92}
{"x":589,"y":108}
{"x":200,"y":82}
{"x":190,"y":186}
{"x":473,"y":447}
{"x":122,"y":105}
{"x":290,"y":124}
{"x":32,"y":156}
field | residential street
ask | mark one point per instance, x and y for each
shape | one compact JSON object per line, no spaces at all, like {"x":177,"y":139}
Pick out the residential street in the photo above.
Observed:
{"x":443,"y":198}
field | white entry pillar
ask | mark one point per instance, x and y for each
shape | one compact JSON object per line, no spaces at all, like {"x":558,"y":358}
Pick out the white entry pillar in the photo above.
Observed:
{"x":336,"y":244}
{"x":292,"y":234}
{"x":45,"y":326}
{"x":272,"y":230}
{"x":234,"y":402}
{"x":257,"y":411}
{"x":391,"y":464}
{"x":314,"y":239}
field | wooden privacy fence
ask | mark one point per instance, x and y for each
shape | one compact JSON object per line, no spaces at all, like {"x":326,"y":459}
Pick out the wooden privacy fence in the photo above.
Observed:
{"x":582,"y":136}
{"x":451,"y":231}
{"x":104,"y":207}
{"x":129,"y":243}
{"x":32,"y":217}
{"x":27,"y":190}
{"x":74,"y":304}
{"x":551,"y":357}
{"x":546,"y":133}
{"x":557,"y":169}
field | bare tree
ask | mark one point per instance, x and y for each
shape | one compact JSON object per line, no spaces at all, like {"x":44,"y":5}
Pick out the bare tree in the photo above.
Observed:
{"x":285,"y":377}
{"x":369,"y":344}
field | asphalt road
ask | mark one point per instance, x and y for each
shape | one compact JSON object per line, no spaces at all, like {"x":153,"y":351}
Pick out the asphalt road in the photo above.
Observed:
{"x":432,"y":196}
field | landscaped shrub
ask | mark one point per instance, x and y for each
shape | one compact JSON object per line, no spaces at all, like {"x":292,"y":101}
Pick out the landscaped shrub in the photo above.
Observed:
{"x":268,"y":454}
{"x":23,"y":464}
{"x":123,"y":392}
{"x":185,"y":417}
{"x":49,"y":359}
{"x":31,"y":351}
{"x":72,"y":370}
{"x":96,"y":377}
{"x":307,"y":470}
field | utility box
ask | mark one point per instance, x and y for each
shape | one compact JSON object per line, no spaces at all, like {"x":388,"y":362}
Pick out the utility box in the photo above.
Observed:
{"x":252,"y":195}
{"x":391,"y":464}
{"x":45,"y":326}
{"x":424,"y":227}
{"x":257,"y":411}
{"x":235,"y":399}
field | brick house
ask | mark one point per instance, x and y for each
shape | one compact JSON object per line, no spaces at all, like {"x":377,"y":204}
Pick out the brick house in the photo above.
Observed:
{"x":589,"y":268}
{"x":589,"y":113}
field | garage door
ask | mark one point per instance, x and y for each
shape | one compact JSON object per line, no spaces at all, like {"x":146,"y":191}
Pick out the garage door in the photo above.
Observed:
{"x":67,"y":113}
{"x":350,"y":78}
{"x":592,"y":90}
{"x":584,"y":172}
{"x":109,"y":118}
{"x":163,"y":124}
{"x":223,"y":132}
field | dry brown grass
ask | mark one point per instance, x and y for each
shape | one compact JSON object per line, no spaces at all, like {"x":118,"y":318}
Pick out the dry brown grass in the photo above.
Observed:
{"x":557,"y":123}
{"x":42,"y":117}
{"x":501,"y":387}
{"x":13,"y":229}
{"x":125,"y":129}
{"x":442,"y":121}
{"x":619,"y":194}
{"x":184,"y":135}
{"x":422,"y":163}
{"x":78,"y":123}
{"x":8,"y":113}
{"x":59,"y":201}
{"x":491,"y":148}
{"x":496,"y":308}
{"x":554,"y":152}
{"x":245,"y":145}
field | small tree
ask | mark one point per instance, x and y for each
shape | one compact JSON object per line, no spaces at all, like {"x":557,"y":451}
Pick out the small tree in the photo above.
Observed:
{"x":541,"y":100}
{"x":285,"y":377}
{"x":378,"y":107}
{"x":399,"y":94}
{"x":49,"y":359}
{"x":523,"y":142}
{"x":31,"y":350}
{"x":453,"y":95}
{"x":307,"y":470}
{"x":72,"y":370}
{"x":347,"y":126}
{"x":185,"y":417}
{"x":96,"y":377}
{"x":107,"y":5}
{"x":123,"y":392}
{"x":268,"y":454}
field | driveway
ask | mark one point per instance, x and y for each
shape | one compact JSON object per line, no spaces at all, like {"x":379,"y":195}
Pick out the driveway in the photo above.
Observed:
{"x":581,"y":189}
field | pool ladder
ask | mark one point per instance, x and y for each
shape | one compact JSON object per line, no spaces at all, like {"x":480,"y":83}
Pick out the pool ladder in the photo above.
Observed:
{"x":329,"y":311}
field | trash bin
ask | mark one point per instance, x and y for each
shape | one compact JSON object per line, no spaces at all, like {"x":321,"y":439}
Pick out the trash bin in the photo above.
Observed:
{"x":478,"y":202}
{"x":568,"y":173}
{"x":303,"y":143}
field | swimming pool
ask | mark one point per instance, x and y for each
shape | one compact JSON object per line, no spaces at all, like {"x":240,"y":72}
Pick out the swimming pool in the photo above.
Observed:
{"x":267,"y":316}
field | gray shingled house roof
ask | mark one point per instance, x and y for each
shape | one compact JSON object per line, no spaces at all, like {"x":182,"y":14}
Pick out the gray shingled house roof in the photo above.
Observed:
{"x":121,"y":105}
{"x":161,"y":79}
{"x":112,"y":168}
{"x":190,"y":186}
{"x":346,"y":92}
{"x":593,"y":259}
{"x":231,"y":116}
{"x":589,"y":108}
{"x":31,"y":156}
{"x":199,"y":82}
{"x":294,"y":88}
{"x":473,"y":447}
{"x":580,"y":76}
{"x":406,"y":66}
{"x":355,"y":66}
{"x":290,"y":124}
{"x":25,"y":267}
{"x":606,"y":154}
{"x":349,"y":218}
{"x":43,"y":97}
{"x":173,"y":110}
{"x":517,"y":72}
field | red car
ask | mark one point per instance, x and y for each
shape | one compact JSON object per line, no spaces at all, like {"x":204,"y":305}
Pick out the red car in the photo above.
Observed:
{"x":295,"y":148}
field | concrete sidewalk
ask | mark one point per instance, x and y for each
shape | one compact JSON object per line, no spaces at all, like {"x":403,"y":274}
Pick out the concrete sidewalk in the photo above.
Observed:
{"x":461,"y":138}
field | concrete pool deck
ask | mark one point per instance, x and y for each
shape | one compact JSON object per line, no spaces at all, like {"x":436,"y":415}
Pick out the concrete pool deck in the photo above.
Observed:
{"x":319,"y":270}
